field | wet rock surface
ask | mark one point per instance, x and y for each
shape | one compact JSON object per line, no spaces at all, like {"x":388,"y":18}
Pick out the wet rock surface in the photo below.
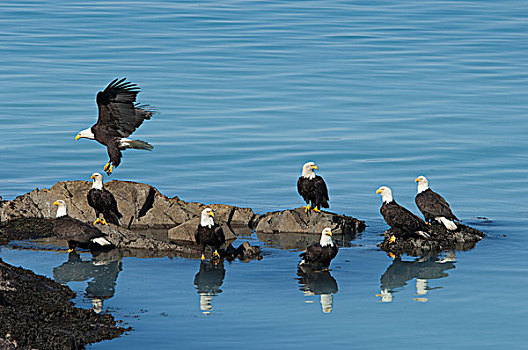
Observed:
{"x":464,"y":238}
{"x":37,"y":313}
{"x":142,"y":205}
{"x":297,"y":221}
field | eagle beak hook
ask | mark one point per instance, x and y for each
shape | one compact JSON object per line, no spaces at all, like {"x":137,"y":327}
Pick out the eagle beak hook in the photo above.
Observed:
{"x":315,"y":167}
{"x":92,"y":177}
{"x":330,"y":233}
{"x":416,"y":180}
{"x":211,"y":214}
{"x":378,"y":191}
{"x":77,"y":137}
{"x":56,"y":203}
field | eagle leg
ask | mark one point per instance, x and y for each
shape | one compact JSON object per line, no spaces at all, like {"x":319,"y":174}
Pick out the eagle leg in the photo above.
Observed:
{"x":392,"y":239}
{"x":70,"y":250}
{"x":109,"y":171}
{"x":104,"y":222}
{"x":97,"y":221}
{"x":107,"y":165}
{"x":215,"y":254}
{"x":316,"y":209}
{"x":203,"y":257}
{"x":306,"y":208}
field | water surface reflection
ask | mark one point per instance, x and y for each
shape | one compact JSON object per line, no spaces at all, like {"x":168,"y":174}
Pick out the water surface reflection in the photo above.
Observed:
{"x":318,"y":283}
{"x":422,"y":269}
{"x":101,"y":273}
{"x":207,"y":282}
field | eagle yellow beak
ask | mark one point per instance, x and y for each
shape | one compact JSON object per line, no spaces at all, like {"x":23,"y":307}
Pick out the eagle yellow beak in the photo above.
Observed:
{"x":416,"y":180}
{"x":378,"y":191}
{"x":315,"y":167}
{"x":211,"y":214}
{"x":77,"y":137}
{"x":330,"y":233}
{"x":92,"y":177}
{"x":56,"y":203}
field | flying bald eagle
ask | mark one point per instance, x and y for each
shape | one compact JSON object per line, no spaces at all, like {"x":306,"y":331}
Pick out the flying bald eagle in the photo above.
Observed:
{"x":119,"y":116}
{"x":76,"y":232}
{"x":103,"y":202}
{"x":319,"y":255}
{"x":433,"y":206}
{"x":312,"y":188}
{"x":209,"y":233}
{"x":401,"y":220}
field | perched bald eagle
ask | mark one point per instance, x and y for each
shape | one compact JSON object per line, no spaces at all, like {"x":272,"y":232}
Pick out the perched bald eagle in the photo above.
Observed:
{"x":402,"y":221}
{"x":103,"y":202}
{"x":312,"y":188}
{"x":76,"y":232}
{"x":433,"y":206}
{"x":209,"y":233}
{"x":119,"y":116}
{"x":319,"y":255}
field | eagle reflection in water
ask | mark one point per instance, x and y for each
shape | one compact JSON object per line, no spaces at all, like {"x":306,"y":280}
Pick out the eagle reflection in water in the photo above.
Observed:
{"x":101,"y":273}
{"x":318,"y":283}
{"x":207,"y":282}
{"x":423,"y":269}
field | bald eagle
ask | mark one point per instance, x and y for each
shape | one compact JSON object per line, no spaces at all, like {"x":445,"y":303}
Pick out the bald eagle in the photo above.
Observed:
{"x":402,"y":221}
{"x":76,"y":232}
{"x":103,"y":202}
{"x":319,"y":255}
{"x":433,"y":206}
{"x":209,"y":233}
{"x":312,"y":188}
{"x":119,"y":116}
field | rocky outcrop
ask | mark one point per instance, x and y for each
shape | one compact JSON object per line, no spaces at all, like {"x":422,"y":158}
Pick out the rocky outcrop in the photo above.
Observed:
{"x":297,"y":221}
{"x":185,"y":232}
{"x":464,"y":238}
{"x":37,"y":313}
{"x":142,"y":206}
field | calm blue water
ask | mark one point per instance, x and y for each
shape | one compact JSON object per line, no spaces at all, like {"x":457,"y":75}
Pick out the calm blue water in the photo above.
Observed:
{"x":376,"y":92}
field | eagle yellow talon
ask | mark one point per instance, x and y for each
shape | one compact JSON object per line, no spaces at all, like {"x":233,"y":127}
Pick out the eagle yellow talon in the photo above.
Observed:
{"x":107,"y":165}
{"x":392,"y":239}
{"x":316,"y":209}
{"x":203,"y":257}
{"x":104,"y":222}
{"x":392,"y":255}
{"x":109,"y":171}
{"x":306,"y":208}
{"x":97,"y":221}
{"x":70,"y":250}
{"x":216,"y":255}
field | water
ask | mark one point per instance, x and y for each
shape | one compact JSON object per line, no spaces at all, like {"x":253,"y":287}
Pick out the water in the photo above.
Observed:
{"x":375,"y":92}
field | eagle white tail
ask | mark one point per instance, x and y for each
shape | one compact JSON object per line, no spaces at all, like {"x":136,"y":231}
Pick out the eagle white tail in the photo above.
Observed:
{"x":135,"y":144}
{"x":450,"y":225}
{"x":101,"y":241}
{"x":423,"y":234}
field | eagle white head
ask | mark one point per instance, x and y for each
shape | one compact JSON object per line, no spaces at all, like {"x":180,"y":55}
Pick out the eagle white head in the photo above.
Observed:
{"x":62,"y":209}
{"x":308,"y":170}
{"x":326,"y":237}
{"x":85,"y":134}
{"x":423,"y":184}
{"x":386,"y":194}
{"x":97,"y":181}
{"x":207,"y":218}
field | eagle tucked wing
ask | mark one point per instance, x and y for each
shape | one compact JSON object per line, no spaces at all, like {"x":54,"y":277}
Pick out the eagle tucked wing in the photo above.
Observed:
{"x":118,"y":113}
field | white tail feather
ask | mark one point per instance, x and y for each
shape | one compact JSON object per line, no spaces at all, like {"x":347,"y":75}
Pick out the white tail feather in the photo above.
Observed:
{"x":101,"y":241}
{"x":450,"y":225}
{"x":423,"y":234}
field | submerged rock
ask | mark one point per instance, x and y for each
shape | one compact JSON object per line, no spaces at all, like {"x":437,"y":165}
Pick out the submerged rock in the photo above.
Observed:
{"x":142,"y":205}
{"x":464,"y":238}
{"x":37,"y":313}
{"x":297,"y":221}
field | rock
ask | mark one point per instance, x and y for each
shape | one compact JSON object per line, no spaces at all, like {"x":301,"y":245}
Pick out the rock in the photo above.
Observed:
{"x":37,"y":313}
{"x":464,"y":238}
{"x":142,"y":206}
{"x":185,"y":232}
{"x":297,"y":221}
{"x":244,"y":252}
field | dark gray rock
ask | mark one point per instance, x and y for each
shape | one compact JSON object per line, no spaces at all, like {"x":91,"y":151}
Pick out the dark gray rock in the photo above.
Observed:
{"x":142,"y":206}
{"x":464,"y":238}
{"x":297,"y":221}
{"x":185,"y":232}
